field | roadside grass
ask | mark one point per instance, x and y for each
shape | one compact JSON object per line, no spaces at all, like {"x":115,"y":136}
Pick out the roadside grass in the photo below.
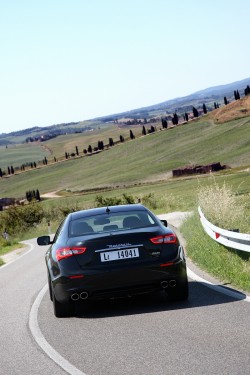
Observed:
{"x":8,"y":245}
{"x":224,"y":207}
{"x":230,"y":266}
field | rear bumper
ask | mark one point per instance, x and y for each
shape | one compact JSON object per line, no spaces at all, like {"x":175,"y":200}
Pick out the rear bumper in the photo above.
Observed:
{"x":119,"y":282}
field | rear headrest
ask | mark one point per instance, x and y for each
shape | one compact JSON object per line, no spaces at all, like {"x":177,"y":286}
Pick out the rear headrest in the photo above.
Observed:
{"x":79,"y":228}
{"x":132,"y":222}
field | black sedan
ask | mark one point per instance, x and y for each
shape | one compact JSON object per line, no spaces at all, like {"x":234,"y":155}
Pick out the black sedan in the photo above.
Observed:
{"x":111,"y":252}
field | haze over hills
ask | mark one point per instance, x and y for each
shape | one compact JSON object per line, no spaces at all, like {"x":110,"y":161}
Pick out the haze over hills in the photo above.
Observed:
{"x":179,"y":105}
{"x":207,"y":96}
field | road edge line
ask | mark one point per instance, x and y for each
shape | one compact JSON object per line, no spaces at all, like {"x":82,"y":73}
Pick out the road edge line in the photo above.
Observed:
{"x":43,"y":343}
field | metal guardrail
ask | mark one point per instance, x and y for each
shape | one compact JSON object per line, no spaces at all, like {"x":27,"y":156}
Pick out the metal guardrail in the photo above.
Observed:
{"x":235,"y":240}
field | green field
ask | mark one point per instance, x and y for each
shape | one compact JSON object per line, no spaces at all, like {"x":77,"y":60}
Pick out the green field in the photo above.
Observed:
{"x":16,"y":155}
{"x":144,"y":160}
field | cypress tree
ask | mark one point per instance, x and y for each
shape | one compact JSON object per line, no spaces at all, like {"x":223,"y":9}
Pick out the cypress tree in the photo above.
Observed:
{"x":164,"y":123}
{"x":100,"y":145}
{"x":195,"y":112}
{"x":175,"y":119}
{"x":38,"y":198}
{"x":132,"y":135}
{"x":247,"y":90}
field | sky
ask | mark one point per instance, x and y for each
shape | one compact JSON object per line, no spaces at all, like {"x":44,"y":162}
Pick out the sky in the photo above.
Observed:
{"x":72,"y":60}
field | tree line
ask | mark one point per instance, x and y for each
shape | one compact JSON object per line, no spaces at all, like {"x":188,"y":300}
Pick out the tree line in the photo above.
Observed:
{"x":174,"y":119}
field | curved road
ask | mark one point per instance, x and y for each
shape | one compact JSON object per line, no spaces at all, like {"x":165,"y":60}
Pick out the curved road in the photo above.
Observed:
{"x":210,"y":334}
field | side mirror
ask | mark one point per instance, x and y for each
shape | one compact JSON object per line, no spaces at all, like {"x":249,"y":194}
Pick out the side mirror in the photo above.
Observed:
{"x":164,"y":222}
{"x":44,"y":240}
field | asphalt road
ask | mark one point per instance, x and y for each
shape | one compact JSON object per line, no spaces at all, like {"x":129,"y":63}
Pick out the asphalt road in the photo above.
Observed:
{"x":209,"y":334}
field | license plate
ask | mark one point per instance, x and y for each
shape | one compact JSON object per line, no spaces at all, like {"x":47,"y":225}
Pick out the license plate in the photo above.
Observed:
{"x":119,"y":254}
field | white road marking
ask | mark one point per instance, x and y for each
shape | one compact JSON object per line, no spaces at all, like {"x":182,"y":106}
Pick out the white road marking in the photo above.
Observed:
{"x":43,"y":343}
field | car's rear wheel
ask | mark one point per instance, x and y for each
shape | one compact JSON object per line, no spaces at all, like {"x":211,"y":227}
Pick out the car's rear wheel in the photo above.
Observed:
{"x":180,"y":292}
{"x":50,"y":288}
{"x":62,"y":310}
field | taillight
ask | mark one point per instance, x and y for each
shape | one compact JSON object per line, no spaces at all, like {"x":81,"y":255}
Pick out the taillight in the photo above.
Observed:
{"x":66,"y":252}
{"x":168,"y":238}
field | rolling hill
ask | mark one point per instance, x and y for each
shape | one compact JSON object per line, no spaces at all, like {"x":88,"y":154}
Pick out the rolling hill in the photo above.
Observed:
{"x":144,"y":160}
{"x":167,"y":108}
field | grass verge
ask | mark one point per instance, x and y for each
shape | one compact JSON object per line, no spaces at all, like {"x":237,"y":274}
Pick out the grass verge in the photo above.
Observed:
{"x":230,"y":266}
{"x":8,"y":246}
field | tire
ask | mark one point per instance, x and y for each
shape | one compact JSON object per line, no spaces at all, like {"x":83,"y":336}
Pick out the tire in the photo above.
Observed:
{"x":50,"y":288}
{"x":180,"y":292}
{"x":62,"y":310}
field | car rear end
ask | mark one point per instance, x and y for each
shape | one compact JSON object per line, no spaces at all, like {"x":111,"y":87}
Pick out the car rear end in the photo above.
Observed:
{"x":113,"y":259}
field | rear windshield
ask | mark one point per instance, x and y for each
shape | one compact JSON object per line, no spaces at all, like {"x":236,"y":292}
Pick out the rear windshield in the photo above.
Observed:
{"x":111,"y":222}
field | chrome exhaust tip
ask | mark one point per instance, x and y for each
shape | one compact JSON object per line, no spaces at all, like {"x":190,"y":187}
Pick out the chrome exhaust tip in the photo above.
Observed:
{"x":172,"y":283}
{"x":84,"y":295}
{"x":164,"y":284}
{"x":75,"y":297}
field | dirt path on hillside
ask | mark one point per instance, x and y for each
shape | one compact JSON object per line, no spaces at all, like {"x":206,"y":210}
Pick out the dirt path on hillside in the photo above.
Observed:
{"x":52,"y":194}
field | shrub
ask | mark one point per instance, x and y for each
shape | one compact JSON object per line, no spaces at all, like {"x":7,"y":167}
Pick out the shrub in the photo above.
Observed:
{"x":18,"y":219}
{"x":108,"y":201}
{"x":128,"y":199}
{"x":149,"y":200}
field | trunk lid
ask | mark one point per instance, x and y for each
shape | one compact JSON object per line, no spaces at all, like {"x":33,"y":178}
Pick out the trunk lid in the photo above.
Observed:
{"x":114,"y":249}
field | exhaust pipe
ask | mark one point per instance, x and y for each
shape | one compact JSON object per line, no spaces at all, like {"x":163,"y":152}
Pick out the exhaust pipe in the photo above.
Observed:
{"x":84,"y":295}
{"x":75,"y":297}
{"x":172,"y":283}
{"x":164,"y":284}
